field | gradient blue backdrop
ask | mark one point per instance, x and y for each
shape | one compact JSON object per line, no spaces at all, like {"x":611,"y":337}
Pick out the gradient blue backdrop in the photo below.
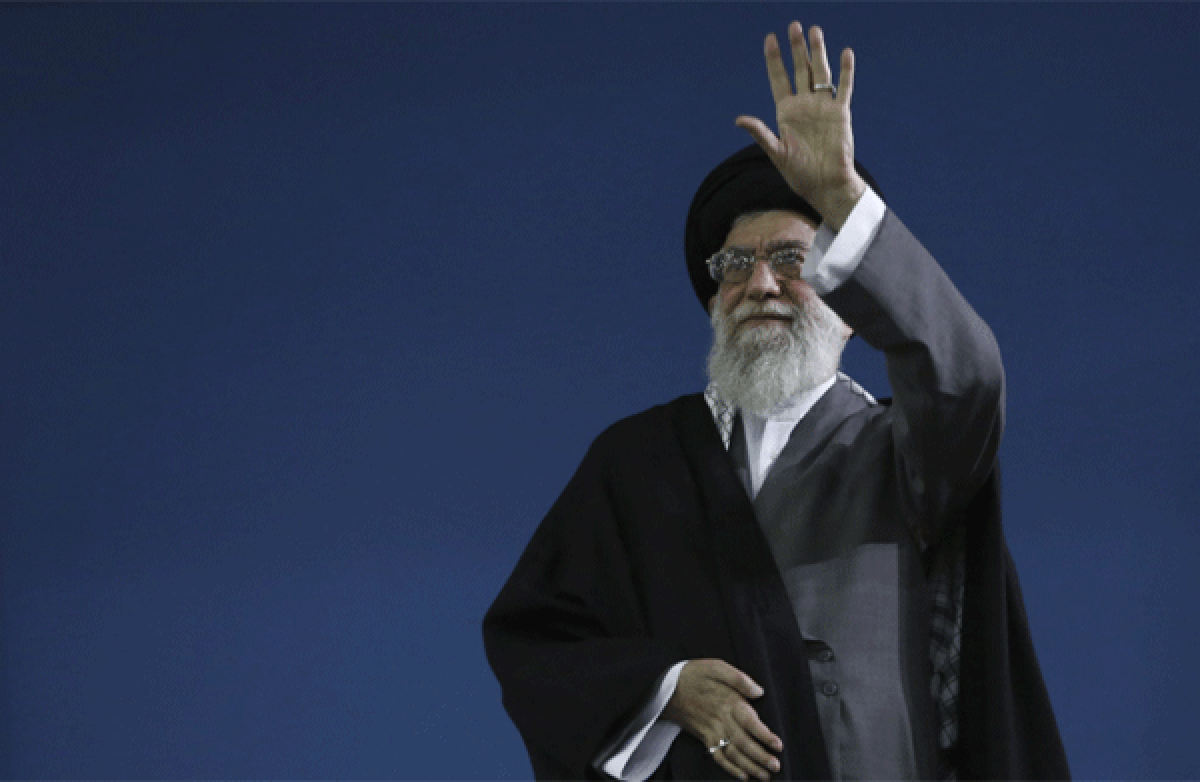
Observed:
{"x":309,"y":312}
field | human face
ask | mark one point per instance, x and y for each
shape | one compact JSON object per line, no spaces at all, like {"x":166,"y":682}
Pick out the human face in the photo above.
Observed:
{"x":761,"y":234}
{"x":773,"y":337}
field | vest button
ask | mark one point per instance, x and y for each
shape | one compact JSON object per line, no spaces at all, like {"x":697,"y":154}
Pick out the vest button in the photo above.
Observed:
{"x":830,"y":689}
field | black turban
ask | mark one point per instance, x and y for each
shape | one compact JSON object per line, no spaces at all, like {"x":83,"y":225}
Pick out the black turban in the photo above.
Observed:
{"x":746,"y":182}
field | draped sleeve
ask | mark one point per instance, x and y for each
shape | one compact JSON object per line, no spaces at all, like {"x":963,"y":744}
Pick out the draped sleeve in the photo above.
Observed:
{"x":944,"y":366}
{"x":567,"y":636}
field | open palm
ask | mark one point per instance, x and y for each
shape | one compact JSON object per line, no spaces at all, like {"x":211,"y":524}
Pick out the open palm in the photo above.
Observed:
{"x":815,"y":147}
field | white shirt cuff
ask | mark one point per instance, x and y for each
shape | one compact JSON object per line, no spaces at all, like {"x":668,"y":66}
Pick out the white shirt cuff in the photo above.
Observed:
{"x":834,"y":257}
{"x":643,"y":745}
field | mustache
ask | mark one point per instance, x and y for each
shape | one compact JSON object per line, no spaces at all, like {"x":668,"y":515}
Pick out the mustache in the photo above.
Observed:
{"x":769,"y":308}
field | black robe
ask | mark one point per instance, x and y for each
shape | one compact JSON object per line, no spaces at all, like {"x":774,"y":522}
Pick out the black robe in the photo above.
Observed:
{"x":652,"y":555}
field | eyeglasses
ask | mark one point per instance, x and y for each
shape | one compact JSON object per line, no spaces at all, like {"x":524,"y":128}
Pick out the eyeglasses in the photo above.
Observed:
{"x":735,"y":265}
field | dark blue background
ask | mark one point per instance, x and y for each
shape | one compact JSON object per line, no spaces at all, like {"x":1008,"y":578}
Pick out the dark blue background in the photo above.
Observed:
{"x":310,"y":311}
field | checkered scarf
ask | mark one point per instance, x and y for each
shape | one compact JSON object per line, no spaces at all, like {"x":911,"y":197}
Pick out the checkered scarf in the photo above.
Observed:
{"x":945,"y":582}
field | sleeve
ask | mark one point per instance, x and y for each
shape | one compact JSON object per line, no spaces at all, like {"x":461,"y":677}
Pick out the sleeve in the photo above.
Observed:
{"x":643,"y":745}
{"x":566,"y":637}
{"x":834,"y":257}
{"x":947,"y":414}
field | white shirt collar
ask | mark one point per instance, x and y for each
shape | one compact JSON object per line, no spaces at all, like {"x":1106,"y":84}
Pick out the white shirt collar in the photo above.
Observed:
{"x":766,"y":436}
{"x":723,"y":412}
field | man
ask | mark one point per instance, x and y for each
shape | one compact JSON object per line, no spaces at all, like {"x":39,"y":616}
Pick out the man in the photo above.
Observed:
{"x":784,"y":576}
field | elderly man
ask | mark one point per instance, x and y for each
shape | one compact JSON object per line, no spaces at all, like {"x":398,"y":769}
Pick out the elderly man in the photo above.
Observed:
{"x":784,"y":576}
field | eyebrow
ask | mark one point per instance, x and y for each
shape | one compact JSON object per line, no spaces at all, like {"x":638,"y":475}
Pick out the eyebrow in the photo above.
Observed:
{"x":779,"y":244}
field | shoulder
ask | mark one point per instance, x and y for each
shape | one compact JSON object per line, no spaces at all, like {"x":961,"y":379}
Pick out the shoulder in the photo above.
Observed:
{"x":657,"y":423}
{"x":651,"y":434}
{"x":847,"y":400}
{"x":849,"y":386}
{"x":852,"y":414}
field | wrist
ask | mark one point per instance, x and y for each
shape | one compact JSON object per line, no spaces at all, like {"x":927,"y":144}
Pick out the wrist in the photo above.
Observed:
{"x":836,"y":204}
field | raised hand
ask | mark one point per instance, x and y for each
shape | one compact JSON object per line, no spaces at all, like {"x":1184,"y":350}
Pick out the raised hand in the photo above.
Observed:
{"x":710,"y":703}
{"x":815,"y":147}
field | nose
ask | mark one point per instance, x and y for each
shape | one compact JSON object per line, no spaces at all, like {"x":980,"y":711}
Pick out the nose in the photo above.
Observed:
{"x":762,"y":283}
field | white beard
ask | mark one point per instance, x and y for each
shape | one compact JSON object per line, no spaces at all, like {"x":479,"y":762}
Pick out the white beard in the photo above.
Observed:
{"x":761,"y":368}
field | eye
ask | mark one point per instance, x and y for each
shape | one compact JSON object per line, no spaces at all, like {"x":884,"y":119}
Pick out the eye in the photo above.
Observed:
{"x":790,"y":255}
{"x":727,"y":262}
{"x":788,"y":263}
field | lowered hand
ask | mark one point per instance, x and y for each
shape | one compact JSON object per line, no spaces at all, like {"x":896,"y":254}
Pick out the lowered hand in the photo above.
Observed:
{"x":710,"y":702}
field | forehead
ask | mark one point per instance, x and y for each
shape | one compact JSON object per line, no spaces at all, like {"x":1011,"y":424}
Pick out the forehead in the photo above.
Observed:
{"x":770,"y":227}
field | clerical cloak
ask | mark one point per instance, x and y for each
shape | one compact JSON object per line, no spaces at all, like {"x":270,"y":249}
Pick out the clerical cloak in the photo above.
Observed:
{"x":653,"y":554}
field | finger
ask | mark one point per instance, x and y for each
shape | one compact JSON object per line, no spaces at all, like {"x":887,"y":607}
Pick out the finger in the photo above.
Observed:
{"x":750,"y":749}
{"x":766,"y":139}
{"x":728,"y":765}
{"x":748,"y":720}
{"x":740,"y":758}
{"x":800,"y":56}
{"x":726,"y":673}
{"x":846,"y":76}
{"x":780,"y":86}
{"x":820,"y":62}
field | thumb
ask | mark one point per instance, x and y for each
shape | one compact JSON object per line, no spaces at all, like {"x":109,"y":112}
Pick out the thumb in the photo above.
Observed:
{"x":738,"y":680}
{"x":762,"y":135}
